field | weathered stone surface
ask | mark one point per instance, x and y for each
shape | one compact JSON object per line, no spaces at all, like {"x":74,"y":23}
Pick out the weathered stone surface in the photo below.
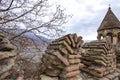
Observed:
{"x":44,"y":77}
{"x":72,"y":74}
{"x":100,"y":70}
{"x":5,"y":74}
{"x":104,"y":78}
{"x":59,"y":56}
{"x":20,"y":77}
{"x":72,"y":78}
{"x":75,"y":38}
{"x":72,"y":40}
{"x":73,"y":61}
{"x":7,"y":58}
{"x":4,"y":55}
{"x":52,"y":72}
{"x":75,"y":56}
{"x":6,"y":66}
{"x":79,"y":42}
{"x":5,"y":45}
{"x":62,"y":58}
{"x":99,"y":59}
{"x":72,"y":67}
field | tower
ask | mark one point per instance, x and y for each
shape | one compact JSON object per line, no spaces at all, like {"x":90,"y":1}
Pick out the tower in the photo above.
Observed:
{"x":109,"y":29}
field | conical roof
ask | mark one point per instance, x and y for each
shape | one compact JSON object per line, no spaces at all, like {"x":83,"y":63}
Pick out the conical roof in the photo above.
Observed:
{"x":110,"y":21}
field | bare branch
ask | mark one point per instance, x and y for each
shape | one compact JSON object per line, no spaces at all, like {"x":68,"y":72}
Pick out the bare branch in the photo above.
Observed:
{"x":3,"y":10}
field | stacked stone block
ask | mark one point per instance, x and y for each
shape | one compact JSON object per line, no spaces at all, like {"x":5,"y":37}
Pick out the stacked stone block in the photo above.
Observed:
{"x":118,"y":55}
{"x":7,"y":57}
{"x":99,"y":59}
{"x":62,"y":58}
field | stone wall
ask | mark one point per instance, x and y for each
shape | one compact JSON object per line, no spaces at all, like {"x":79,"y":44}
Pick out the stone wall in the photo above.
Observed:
{"x":100,"y":61}
{"x":7,"y":58}
{"x":62,"y":58}
{"x":65,"y":59}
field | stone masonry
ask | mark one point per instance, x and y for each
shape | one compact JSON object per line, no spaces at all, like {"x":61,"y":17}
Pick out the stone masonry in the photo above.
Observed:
{"x":62,"y":58}
{"x":100,"y":61}
{"x":7,"y":57}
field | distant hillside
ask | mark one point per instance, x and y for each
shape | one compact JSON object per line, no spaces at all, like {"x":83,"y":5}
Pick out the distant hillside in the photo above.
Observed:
{"x":38,"y":39}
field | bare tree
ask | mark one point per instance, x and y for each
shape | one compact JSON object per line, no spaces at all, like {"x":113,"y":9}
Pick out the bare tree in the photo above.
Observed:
{"x":35,"y":16}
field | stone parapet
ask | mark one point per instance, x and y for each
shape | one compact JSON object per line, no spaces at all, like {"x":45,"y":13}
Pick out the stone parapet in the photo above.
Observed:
{"x":62,"y":58}
{"x":99,"y":60}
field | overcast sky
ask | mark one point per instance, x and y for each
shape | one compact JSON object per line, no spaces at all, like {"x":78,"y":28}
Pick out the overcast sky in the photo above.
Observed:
{"x":87,"y":15}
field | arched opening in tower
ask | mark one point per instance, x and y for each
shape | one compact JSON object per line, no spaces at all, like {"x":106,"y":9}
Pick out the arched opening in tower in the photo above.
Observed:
{"x":109,"y":37}
{"x":100,"y":37}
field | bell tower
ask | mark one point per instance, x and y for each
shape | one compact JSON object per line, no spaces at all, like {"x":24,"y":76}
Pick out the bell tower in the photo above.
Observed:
{"x":109,"y":29}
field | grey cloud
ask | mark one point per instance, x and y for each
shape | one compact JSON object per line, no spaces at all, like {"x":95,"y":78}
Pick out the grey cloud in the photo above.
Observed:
{"x":88,"y":25}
